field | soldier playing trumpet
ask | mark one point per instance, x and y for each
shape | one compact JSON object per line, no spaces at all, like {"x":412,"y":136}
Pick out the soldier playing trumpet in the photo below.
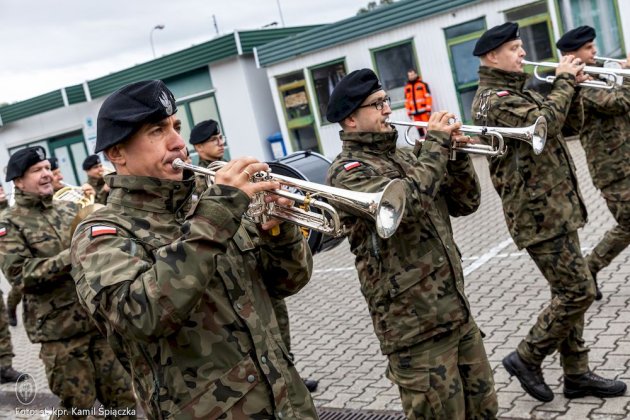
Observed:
{"x":543,"y":209}
{"x":185,"y":300}
{"x":604,"y":137}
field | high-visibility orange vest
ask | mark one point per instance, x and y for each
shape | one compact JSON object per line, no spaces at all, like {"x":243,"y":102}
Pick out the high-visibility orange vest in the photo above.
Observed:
{"x":418,"y":100}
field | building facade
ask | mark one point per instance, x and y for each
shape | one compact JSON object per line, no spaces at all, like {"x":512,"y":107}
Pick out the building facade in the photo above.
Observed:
{"x":217,"y":79}
{"x":433,"y":36}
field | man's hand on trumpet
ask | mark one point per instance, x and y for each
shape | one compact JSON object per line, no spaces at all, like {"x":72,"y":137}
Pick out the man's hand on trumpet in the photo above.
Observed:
{"x":238,"y":173}
{"x":446,"y":122}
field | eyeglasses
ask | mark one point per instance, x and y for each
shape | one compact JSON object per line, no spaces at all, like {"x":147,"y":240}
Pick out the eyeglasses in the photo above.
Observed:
{"x":379,"y":104}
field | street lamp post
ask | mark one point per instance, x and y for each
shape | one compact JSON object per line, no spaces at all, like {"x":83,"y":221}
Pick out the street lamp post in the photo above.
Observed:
{"x":160,"y":27}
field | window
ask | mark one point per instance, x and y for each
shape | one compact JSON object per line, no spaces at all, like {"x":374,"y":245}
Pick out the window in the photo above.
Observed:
{"x":535,"y":30}
{"x":461,"y":40}
{"x":325,"y":78}
{"x":192,"y":111}
{"x":601,"y":15}
{"x":392,"y":63}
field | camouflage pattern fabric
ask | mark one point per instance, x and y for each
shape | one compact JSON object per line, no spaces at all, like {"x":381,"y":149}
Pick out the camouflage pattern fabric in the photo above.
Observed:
{"x":605,"y":139}
{"x":6,"y":348}
{"x":80,"y":370}
{"x":446,"y":377}
{"x":201,"y":181}
{"x":540,"y":194}
{"x":618,"y":238}
{"x":282,"y":315}
{"x":413,"y":281}
{"x":99,"y":186}
{"x":14,"y":297}
{"x":560,"y":325}
{"x":185,"y":302}
{"x":35,"y":258}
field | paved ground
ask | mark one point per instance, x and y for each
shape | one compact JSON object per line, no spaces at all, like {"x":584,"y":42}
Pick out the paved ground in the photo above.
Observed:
{"x":333,"y":339}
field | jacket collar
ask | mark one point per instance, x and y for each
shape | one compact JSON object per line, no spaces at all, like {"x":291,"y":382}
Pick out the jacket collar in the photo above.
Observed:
{"x":29,"y":200}
{"x":491,"y":77}
{"x":150,"y":194}
{"x":377,"y":142}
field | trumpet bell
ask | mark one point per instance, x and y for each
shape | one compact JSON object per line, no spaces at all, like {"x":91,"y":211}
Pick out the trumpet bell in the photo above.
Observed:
{"x":391,"y":207}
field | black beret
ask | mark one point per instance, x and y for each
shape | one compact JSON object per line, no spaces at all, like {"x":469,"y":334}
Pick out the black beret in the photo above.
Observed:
{"x":91,"y":161}
{"x":350,"y":92}
{"x":495,"y":37}
{"x":131,"y":106}
{"x":54,"y":163}
{"x":23,"y":159}
{"x":575,"y":38}
{"x":203,"y":131}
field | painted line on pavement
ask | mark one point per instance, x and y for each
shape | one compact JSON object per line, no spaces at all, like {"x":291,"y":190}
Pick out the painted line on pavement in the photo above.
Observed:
{"x":487,"y":256}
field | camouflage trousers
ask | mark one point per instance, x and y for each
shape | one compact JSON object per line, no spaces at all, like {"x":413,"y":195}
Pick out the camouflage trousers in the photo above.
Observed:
{"x":446,"y":377}
{"x":13,"y":299}
{"x":80,"y":370}
{"x":615,"y":240}
{"x":561,"y":324}
{"x":6,"y":348}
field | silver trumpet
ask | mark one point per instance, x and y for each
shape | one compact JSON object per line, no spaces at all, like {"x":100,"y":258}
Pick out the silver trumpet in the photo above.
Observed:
{"x":610,"y":73}
{"x":386,"y":208}
{"x":611,"y":63}
{"x":535,"y":135}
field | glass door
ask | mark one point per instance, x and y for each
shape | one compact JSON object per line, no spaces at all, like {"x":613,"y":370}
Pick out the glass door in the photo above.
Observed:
{"x":71,"y":151}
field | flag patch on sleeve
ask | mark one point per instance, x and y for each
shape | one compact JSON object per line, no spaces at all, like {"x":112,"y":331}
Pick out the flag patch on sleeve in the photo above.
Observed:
{"x":103,"y":230}
{"x":351,"y":165}
{"x":3,"y":231}
{"x":503,"y":93}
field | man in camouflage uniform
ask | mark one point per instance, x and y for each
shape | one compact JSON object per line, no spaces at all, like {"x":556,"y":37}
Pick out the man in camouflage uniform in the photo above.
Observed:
{"x":543,"y":209}
{"x":413,"y":281}
{"x":209,"y":144}
{"x":35,"y":258}
{"x":185,"y":299}
{"x":7,"y":373}
{"x":94,"y":169}
{"x":604,"y":137}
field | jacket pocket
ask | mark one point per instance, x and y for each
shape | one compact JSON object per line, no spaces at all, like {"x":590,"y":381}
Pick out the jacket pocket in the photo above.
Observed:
{"x":222,"y":394}
{"x":425,"y":266}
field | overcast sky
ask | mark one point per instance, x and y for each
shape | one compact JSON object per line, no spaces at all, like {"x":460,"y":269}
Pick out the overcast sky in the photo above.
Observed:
{"x":49,"y":44}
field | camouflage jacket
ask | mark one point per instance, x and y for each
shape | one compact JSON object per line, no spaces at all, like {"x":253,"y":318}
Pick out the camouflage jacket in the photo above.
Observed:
{"x":201,"y":181}
{"x":413,"y":281}
{"x":99,"y":186}
{"x":540,"y":194}
{"x":4,"y":204}
{"x":185,"y":302}
{"x":35,"y":258}
{"x":605,"y":135}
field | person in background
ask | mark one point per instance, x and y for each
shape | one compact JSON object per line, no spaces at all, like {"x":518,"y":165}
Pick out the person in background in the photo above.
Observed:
{"x":209,"y":144}
{"x":418,"y":100}
{"x":35,"y":258}
{"x":94,"y":169}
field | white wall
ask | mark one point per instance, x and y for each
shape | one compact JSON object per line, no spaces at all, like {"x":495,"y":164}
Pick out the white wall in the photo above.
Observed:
{"x":244,"y":100}
{"x":624,"y":14}
{"x":45,"y":125}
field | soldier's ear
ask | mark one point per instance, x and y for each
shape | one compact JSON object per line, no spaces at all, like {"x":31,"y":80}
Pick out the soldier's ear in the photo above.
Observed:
{"x":114,"y":154}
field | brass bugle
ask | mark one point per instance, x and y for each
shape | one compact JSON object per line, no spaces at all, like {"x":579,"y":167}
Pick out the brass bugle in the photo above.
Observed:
{"x":386,"y":207}
{"x":74,"y":194}
{"x":611,"y":74}
{"x":535,"y":135}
